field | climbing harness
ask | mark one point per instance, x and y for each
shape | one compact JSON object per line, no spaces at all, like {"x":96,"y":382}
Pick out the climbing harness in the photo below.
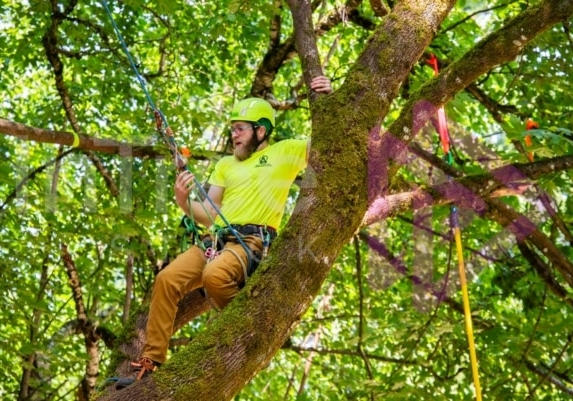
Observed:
{"x":214,"y":244}
{"x":445,"y":141}
{"x":168,"y":135}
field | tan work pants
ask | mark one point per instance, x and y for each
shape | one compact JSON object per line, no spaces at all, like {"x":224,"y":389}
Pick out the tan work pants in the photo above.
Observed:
{"x":220,"y":278}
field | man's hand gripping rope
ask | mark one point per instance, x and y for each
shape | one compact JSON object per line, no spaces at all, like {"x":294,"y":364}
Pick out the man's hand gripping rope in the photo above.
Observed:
{"x":167,"y":133}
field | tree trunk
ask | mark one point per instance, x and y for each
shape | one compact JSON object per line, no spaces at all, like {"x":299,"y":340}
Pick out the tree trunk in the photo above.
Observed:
{"x":245,"y":336}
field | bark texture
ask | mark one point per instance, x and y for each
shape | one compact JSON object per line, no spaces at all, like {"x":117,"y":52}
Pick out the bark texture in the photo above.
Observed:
{"x":337,"y":189}
{"x":246,"y":335}
{"x":82,"y":141}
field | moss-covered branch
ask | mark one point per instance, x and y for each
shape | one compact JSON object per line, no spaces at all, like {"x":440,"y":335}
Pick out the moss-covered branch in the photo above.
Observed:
{"x":79,"y":141}
{"x":468,"y":192}
{"x":500,"y":47}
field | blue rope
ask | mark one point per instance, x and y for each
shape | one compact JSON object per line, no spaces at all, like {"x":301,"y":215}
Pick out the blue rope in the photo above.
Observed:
{"x":131,"y":61}
{"x":171,"y":142}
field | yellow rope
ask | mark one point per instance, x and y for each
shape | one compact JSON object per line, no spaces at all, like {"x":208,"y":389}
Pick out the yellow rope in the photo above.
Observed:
{"x":467,"y":312}
{"x":446,"y":145}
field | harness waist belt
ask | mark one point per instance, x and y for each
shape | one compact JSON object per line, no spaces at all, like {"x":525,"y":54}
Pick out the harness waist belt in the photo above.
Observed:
{"x":253,"y":229}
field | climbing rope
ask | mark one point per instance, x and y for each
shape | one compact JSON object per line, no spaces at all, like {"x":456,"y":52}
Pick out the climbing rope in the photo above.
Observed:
{"x":445,"y":141}
{"x":167,"y":134}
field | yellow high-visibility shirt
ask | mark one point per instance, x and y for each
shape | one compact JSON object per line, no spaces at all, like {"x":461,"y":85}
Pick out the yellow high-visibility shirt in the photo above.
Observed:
{"x":256,"y":189}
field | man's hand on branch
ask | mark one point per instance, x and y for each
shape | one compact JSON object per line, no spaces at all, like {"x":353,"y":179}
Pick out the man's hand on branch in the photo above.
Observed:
{"x":321,"y":84}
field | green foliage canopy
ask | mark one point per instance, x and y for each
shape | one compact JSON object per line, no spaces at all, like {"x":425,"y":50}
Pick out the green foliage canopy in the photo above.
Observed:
{"x":376,"y":330}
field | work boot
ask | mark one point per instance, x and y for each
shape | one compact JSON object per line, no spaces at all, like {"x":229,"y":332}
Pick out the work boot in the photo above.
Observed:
{"x":143,"y":368}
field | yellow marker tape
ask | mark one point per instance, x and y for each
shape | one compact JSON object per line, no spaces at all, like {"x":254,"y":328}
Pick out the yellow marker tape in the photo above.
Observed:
{"x":76,"y":141}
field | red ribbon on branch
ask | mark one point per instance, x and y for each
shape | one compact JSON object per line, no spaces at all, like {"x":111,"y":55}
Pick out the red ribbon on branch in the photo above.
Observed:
{"x":442,"y":127}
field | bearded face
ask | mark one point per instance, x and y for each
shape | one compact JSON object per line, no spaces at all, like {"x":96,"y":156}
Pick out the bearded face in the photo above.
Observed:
{"x":244,"y":147}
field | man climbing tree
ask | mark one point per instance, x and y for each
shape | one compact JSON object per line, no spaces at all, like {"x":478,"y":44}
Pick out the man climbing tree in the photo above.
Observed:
{"x":248,"y":190}
{"x":330,"y":312}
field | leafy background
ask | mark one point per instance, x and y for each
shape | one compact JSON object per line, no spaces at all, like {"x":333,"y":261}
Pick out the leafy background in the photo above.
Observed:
{"x":371,"y":334}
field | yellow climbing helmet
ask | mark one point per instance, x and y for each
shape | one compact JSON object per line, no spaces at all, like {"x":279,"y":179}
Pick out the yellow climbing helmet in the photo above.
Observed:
{"x":253,"y":109}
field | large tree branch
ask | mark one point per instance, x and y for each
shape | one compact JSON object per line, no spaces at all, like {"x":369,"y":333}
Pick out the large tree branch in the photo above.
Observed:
{"x":83,"y":142}
{"x":243,"y":338}
{"x":332,"y":202}
{"x":278,"y":53}
{"x":496,"y":109}
{"x":50,"y":42}
{"x":500,"y":47}
{"x":470,"y":192}
{"x":476,"y":193}
{"x":548,"y":375}
{"x":348,"y":12}
{"x":545,"y":272}
{"x":524,"y":229}
{"x":305,"y":41}
{"x":91,"y":338}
